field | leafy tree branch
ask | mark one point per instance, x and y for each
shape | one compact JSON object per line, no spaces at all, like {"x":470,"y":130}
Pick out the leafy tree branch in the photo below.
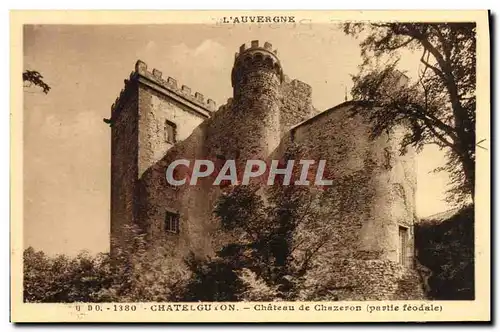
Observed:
{"x":440,"y":107}
{"x":34,"y":78}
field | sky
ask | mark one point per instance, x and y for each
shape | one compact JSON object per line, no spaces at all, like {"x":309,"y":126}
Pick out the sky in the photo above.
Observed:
{"x":67,"y":145}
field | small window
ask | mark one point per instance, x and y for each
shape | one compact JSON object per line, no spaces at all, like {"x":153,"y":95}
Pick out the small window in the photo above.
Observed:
{"x":172,"y":222}
{"x":170,"y":132}
{"x":403,"y":245}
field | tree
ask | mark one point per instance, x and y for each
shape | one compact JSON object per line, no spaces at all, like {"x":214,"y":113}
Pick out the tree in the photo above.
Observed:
{"x":440,"y":107}
{"x":139,"y":273}
{"x":446,"y":247}
{"x":132,"y":274}
{"x":254,"y":254}
{"x":63,"y":279}
{"x":280,"y":241}
{"x":32,"y":77}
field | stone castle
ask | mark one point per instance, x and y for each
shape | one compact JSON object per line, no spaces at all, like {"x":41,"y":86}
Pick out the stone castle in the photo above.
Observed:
{"x":154,"y":122}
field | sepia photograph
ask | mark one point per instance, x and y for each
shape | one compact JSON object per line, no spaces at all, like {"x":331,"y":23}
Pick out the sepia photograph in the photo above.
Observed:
{"x":250,"y":162}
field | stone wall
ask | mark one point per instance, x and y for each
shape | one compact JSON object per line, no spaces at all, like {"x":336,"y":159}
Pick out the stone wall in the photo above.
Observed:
{"x":256,"y":79}
{"x":124,"y":152}
{"x":372,"y":195}
{"x":375,"y":183}
{"x":194,"y":204}
{"x":161,"y":101}
{"x":363,"y":280}
{"x":138,"y":121}
{"x":157,"y":197}
{"x":296,"y":104}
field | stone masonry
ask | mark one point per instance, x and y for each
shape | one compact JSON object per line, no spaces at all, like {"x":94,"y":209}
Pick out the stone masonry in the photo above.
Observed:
{"x":267,"y":113}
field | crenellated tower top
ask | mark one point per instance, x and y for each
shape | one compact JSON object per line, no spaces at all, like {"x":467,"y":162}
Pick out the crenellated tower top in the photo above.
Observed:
{"x":255,"y":56}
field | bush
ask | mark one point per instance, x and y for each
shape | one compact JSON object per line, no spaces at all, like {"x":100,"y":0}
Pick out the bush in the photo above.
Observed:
{"x":133,"y":274}
{"x":64,"y":279}
{"x":271,"y":247}
{"x":446,"y":247}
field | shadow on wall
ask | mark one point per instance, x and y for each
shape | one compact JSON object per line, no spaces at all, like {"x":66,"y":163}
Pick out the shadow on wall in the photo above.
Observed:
{"x":446,"y":248}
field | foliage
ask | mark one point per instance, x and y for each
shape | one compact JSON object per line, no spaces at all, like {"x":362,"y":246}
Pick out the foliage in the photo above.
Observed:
{"x":446,"y":247}
{"x":132,"y":274}
{"x":440,"y":107}
{"x":139,"y":273}
{"x":63,"y":279}
{"x":256,"y":288}
{"x":254,"y":245}
{"x":33,"y":77}
{"x":275,"y":253}
{"x":213,"y":279}
{"x":276,"y":235}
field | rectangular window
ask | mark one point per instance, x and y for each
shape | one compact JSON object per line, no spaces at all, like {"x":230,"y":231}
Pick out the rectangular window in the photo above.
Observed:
{"x":403,"y":245}
{"x":172,"y":222}
{"x":170,"y":132}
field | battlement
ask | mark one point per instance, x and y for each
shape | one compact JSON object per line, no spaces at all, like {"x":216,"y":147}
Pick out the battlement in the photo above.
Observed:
{"x":250,"y":54}
{"x":254,"y":45}
{"x":170,"y":83}
{"x":182,"y":94}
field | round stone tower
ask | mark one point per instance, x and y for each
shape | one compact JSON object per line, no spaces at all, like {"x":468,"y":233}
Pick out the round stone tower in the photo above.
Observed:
{"x":256,"y":79}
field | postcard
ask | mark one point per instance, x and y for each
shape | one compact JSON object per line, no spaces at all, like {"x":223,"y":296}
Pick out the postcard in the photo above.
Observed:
{"x":250,"y":166}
